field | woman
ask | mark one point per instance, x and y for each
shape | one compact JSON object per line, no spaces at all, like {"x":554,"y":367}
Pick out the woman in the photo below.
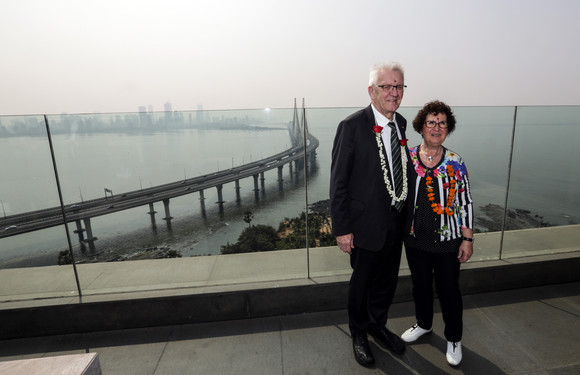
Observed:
{"x":439,"y":227}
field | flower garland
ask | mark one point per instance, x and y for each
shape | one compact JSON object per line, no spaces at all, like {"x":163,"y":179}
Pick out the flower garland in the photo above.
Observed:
{"x":451,"y":196}
{"x":403,"y":142}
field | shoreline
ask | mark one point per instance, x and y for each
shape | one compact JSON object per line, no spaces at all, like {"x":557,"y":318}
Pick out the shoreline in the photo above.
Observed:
{"x":149,"y":243}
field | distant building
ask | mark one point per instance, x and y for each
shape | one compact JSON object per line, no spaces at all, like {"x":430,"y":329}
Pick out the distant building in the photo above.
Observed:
{"x":199,"y":114}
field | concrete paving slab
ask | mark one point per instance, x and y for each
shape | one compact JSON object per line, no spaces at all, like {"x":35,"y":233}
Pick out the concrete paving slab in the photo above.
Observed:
{"x":545,"y":334}
{"x":76,"y":364}
{"x":246,"y":347}
{"x":539,"y":241}
{"x":255,"y":267}
{"x":494,"y":344}
{"x":309,"y":343}
{"x":37,"y":282}
{"x":329,"y":261}
{"x":145,"y":274}
{"x":122,"y":359}
{"x":486,"y":246}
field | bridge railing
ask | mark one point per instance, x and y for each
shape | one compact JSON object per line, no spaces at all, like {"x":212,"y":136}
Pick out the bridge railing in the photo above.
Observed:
{"x":520,"y":160}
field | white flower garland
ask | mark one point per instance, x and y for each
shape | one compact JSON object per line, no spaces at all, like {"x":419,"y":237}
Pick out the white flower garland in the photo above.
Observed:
{"x":393,"y":193}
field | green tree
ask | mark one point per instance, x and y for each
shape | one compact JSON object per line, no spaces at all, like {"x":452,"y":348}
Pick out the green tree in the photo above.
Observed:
{"x":248,"y":216}
{"x":64,"y":257}
{"x":252,"y":239}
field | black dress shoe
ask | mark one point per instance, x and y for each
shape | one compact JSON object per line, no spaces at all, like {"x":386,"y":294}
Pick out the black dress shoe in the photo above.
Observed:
{"x":362,"y":350}
{"x":388,"y":340}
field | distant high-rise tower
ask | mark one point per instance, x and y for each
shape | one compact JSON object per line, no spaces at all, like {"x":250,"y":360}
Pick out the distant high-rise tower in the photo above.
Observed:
{"x":199,"y":114}
{"x":144,"y":117}
{"x":167,"y":107}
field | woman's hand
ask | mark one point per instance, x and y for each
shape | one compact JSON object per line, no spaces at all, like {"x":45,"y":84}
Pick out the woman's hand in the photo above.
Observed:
{"x":465,"y":251}
{"x":466,"y":247}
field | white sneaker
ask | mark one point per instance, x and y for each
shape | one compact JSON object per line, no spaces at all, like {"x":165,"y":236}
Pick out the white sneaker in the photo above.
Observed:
{"x":454,"y":354}
{"x":413,"y":333}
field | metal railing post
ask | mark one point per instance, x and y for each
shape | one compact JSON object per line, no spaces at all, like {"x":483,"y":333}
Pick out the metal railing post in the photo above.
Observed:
{"x":304,"y":131}
{"x":70,"y":248}
{"x":507,"y":191}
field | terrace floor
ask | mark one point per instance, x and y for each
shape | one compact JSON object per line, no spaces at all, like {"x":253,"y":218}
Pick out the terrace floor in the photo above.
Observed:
{"x":522,"y":331}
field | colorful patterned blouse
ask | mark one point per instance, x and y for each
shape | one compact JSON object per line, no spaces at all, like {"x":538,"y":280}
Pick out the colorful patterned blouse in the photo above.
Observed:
{"x":447,"y":196}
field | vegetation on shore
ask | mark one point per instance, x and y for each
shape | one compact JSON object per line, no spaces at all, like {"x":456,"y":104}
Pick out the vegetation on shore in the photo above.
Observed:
{"x":291,"y":234}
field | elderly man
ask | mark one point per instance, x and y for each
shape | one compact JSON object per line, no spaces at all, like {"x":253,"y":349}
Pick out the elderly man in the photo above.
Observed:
{"x":368,"y":191}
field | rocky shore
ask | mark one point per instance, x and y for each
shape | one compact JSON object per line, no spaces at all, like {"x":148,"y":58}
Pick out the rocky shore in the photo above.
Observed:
{"x":489,"y":218}
{"x":141,"y":245}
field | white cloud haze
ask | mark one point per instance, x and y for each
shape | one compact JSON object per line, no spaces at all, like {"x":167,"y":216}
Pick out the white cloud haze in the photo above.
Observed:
{"x":113,"y":56}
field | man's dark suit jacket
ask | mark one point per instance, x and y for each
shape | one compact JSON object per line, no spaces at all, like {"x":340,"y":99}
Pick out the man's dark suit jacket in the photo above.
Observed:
{"x":359,"y":200}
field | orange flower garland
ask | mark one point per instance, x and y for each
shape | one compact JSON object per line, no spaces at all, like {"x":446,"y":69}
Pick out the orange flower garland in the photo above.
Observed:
{"x":452,"y":189}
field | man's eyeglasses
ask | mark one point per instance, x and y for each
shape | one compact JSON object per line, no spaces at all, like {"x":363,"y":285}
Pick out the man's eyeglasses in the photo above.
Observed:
{"x":388,"y":88}
{"x":431,"y":124}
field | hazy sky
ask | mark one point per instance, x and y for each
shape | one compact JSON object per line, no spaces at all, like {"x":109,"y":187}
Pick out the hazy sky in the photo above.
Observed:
{"x":114,"y":55}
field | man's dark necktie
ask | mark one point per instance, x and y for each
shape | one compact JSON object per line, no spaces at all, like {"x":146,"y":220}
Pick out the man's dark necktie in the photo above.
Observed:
{"x":397,"y":166}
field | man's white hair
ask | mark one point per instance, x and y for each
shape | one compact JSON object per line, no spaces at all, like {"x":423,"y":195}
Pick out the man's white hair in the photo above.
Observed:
{"x":374,"y":73}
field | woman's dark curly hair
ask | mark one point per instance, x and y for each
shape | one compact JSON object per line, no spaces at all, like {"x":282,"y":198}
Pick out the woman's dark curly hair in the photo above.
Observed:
{"x":433,"y":108}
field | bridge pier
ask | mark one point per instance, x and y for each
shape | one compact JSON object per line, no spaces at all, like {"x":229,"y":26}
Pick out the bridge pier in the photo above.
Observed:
{"x":90,"y":239}
{"x":202,"y":203}
{"x":262,"y":183}
{"x":80,"y":232}
{"x":280,"y":179}
{"x":313,"y":157}
{"x":238,"y":197}
{"x":299,"y":163}
{"x":168,"y":216}
{"x":256,"y":188}
{"x":220,"y":201}
{"x":293,"y":173}
{"x":313,"y":167}
{"x":152,"y":213}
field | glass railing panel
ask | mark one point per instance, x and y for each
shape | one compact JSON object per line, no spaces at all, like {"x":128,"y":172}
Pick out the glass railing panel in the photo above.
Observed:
{"x":266,"y":229}
{"x":543,"y":206}
{"x":103,"y":160}
{"x":206,"y":177}
{"x":325,"y":259}
{"x":30,"y":253}
{"x":483,"y":138}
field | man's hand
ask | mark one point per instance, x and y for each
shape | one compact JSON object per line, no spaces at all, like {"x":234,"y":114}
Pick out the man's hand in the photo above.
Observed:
{"x":345,"y":243}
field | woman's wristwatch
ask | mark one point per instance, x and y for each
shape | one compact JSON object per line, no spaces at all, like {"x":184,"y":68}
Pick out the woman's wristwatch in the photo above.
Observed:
{"x":467,"y":239}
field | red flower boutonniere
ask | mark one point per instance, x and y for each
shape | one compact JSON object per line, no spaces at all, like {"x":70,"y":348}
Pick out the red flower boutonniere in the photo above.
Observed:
{"x":403,"y":142}
{"x":377,"y":129}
